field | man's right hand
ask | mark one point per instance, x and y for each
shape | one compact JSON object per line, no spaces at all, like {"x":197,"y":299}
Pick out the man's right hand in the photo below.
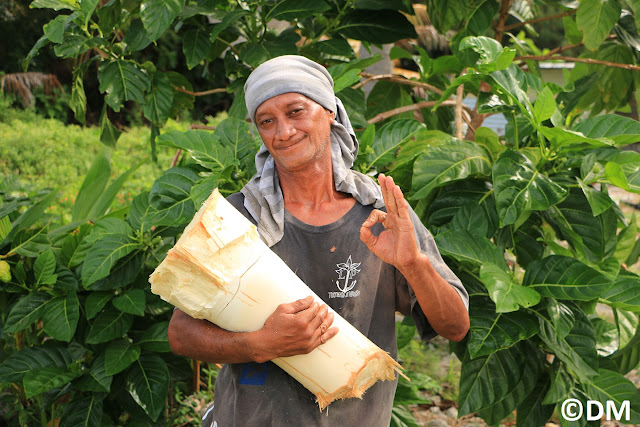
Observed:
{"x":294,"y":328}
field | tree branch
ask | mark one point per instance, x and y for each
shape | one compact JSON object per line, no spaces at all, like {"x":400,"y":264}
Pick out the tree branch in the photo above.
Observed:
{"x":206,"y":92}
{"x":397,"y":79}
{"x":413,"y":107}
{"x":630,"y":67}
{"x":505,"y":5}
{"x":458,"y":109}
{"x":542,"y":19}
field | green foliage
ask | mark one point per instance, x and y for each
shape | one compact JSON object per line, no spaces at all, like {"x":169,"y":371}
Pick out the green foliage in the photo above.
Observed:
{"x":525,"y":220}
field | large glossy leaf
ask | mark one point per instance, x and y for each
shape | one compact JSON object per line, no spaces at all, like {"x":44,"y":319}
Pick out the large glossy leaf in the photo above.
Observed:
{"x":491,"y":332}
{"x":561,"y":317}
{"x":123,"y":81}
{"x":50,"y":354}
{"x":447,"y":14}
{"x":596,"y":18}
{"x":497,"y":411}
{"x":159,"y":100}
{"x":92,"y":187}
{"x":597,"y":234}
{"x":578,"y":349}
{"x":622,"y":168}
{"x":157,"y":15}
{"x":455,"y":160}
{"x":384,"y":96}
{"x":486,"y":380}
{"x":289,"y":10}
{"x":148,"y":384}
{"x":390,"y":138}
{"x":565,"y":278}
{"x":83,"y":411}
{"x":624,"y":294}
{"x":61,"y":317}
{"x":132,"y":302}
{"x":103,"y":255}
{"x":44,"y":268}
{"x":450,"y":197}
{"x":26,"y":311}
{"x":155,"y":338}
{"x":504,"y":291}
{"x":109,"y":324}
{"x":96,"y":379}
{"x":109,"y":134}
{"x":95,"y":302}
{"x":236,"y":134}
{"x":612,"y":387}
{"x":375,"y":26}
{"x":171,"y":195}
{"x":204,"y":147}
{"x":520,"y":187}
{"x":621,"y":130}
{"x":492,"y":56}
{"x":532,"y":412}
{"x":527,"y":242}
{"x":195,"y":46}
{"x":469,"y":248}
{"x":119,"y":356}
{"x":42,"y":379}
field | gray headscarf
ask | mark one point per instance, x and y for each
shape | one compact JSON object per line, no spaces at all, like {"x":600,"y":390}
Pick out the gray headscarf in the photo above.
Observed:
{"x":263,"y":195}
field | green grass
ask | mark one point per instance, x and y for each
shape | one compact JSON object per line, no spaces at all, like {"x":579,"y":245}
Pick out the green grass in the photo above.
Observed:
{"x":40,"y":153}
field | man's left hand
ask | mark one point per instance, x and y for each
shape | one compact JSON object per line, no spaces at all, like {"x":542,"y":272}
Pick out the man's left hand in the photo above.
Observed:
{"x":396,"y":245}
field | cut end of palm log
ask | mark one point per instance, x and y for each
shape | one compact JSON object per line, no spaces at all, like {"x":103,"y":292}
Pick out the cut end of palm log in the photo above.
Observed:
{"x":220,"y":270}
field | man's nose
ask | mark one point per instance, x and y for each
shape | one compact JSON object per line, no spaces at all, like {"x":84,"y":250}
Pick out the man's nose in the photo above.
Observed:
{"x":285,"y":129}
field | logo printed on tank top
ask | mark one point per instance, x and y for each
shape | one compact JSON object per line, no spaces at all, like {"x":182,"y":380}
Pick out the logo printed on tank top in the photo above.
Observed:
{"x":346,"y":279}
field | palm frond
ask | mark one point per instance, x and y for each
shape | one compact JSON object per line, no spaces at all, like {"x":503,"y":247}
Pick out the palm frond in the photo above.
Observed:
{"x":22,"y":83}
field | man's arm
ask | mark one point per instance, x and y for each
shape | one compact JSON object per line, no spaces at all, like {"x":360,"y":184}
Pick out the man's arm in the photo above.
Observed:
{"x":396,"y":245}
{"x":293,"y":328}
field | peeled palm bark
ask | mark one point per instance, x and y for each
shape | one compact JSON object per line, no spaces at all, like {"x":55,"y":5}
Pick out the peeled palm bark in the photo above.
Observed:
{"x":221,"y":271}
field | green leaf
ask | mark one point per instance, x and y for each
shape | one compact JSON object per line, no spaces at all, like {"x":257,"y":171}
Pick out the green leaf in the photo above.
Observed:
{"x":43,"y":379}
{"x":599,"y":201}
{"x":157,"y":15}
{"x":109,"y":134}
{"x":578,"y":349}
{"x":520,"y":188}
{"x":132,"y":301}
{"x":492,"y":56}
{"x":565,"y":278}
{"x":624,"y":294}
{"x":504,"y":291}
{"x":561,"y":317}
{"x":204,"y":147}
{"x":95,"y":302}
{"x":447,"y":14}
{"x":453,"y":161}
{"x":42,"y":42}
{"x":627,"y":240}
{"x":109,"y":324}
{"x":469,"y":248}
{"x":195,"y":46}
{"x":621,"y":130}
{"x":78,"y":101}
{"x":54,"y":30}
{"x":595,"y":18}
{"x":237,"y":135}
{"x":491,"y":332}
{"x":136,"y":38}
{"x":87,"y":7}
{"x":545,"y":105}
{"x":83,"y":411}
{"x":386,"y":96}
{"x":513,"y":80}
{"x":54,"y":4}
{"x":487,"y":380}
{"x":50,"y":354}
{"x":391,"y":137}
{"x":291,"y":10}
{"x":92,"y":187}
{"x":170,"y":195}
{"x":159,"y":100}
{"x":106,"y":198}
{"x":612,"y":387}
{"x":44,"y":268}
{"x":376,"y":26}
{"x":30,"y":243}
{"x":500,"y":409}
{"x":122,"y":81}
{"x":119,"y":356}
{"x":26,"y":311}
{"x":30,"y":217}
{"x":109,"y":15}
{"x":148,"y":384}
{"x":103,"y":255}
{"x":96,"y":379}
{"x":61,"y":317}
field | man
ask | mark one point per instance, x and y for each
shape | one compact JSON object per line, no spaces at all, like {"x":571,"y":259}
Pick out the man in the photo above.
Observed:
{"x":357,"y":245}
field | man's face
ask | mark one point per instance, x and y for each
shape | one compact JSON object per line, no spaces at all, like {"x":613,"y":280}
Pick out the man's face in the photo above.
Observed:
{"x":296,"y":131}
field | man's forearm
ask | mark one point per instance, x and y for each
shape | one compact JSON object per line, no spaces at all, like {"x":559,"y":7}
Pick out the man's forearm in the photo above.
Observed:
{"x":202,"y":340}
{"x":439,"y":301}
